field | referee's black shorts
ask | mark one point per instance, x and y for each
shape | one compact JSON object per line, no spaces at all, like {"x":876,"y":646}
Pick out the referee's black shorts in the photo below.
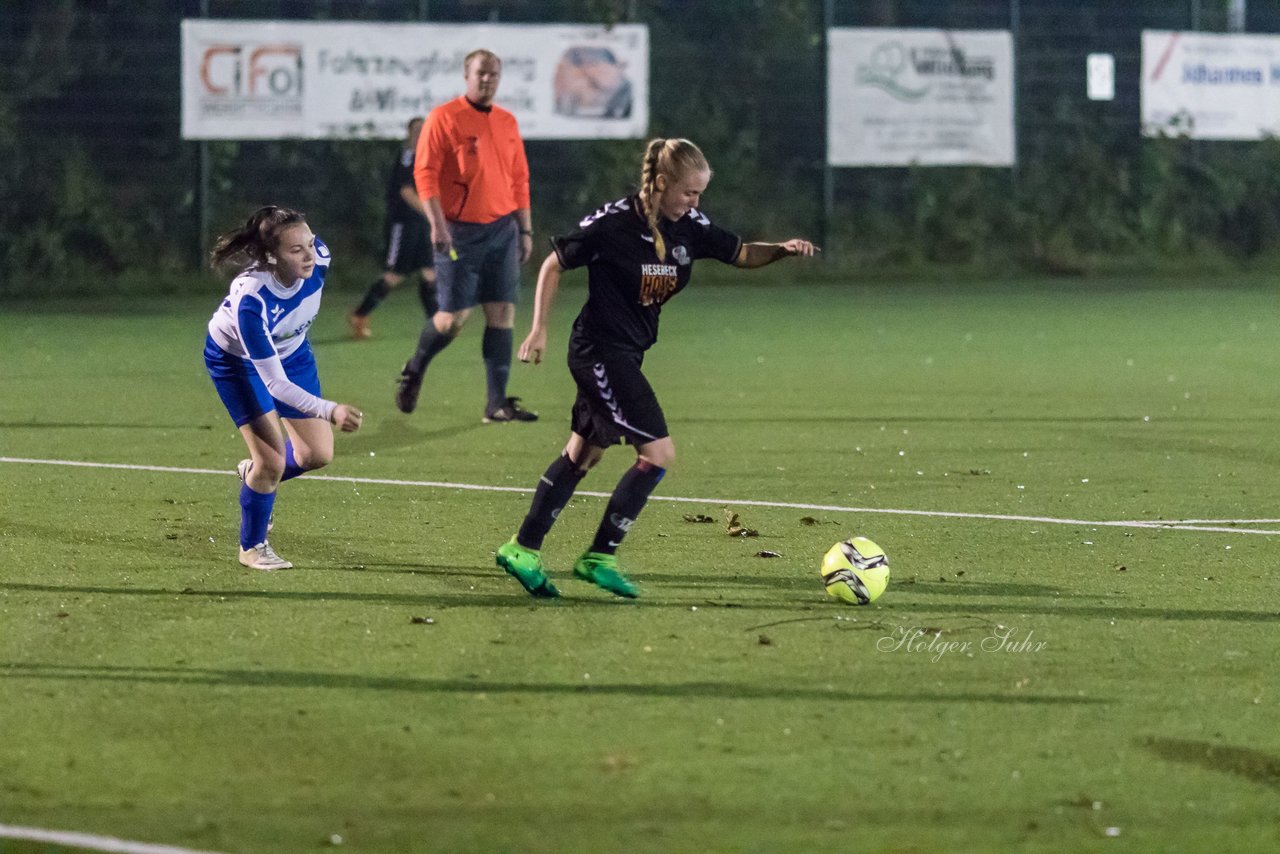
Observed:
{"x":615,"y":404}
{"x":408,"y":245}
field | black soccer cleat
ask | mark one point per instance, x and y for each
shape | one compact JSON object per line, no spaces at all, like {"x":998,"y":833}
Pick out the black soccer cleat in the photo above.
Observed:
{"x":407,"y":388}
{"x":509,"y":411}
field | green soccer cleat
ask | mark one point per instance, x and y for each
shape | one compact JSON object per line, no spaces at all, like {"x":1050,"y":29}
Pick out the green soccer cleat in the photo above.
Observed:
{"x":602,"y":571}
{"x":526,"y":566}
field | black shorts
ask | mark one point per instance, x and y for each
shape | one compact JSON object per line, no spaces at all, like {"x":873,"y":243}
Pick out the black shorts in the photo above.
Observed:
{"x":615,"y":404}
{"x":484,"y":266}
{"x":408,"y":246}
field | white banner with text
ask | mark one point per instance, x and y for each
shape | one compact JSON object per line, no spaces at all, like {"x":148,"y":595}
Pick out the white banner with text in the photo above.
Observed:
{"x":897,"y":97}
{"x":312,"y":80}
{"x":1209,"y":86}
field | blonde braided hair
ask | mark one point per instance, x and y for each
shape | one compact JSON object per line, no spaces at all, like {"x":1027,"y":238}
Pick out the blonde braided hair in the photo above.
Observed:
{"x":673,"y":158}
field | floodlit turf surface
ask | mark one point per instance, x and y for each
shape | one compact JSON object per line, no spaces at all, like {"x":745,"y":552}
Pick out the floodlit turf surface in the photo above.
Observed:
{"x":400,"y":691}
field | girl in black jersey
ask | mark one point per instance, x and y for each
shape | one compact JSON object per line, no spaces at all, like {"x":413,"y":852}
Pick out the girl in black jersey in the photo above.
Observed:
{"x":639,"y":252}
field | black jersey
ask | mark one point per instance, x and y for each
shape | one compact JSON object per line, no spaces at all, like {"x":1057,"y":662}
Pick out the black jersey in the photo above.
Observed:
{"x":398,"y":210}
{"x":626,"y":281}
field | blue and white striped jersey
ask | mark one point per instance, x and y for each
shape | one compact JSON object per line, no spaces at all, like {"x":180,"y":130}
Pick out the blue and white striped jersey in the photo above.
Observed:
{"x":263,"y":322}
{"x":261,"y":318}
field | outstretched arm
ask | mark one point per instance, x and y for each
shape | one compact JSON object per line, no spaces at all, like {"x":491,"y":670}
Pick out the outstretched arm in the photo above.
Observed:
{"x":753,"y":255}
{"x":344,"y":416}
{"x":252,"y":326}
{"x":548,"y":283}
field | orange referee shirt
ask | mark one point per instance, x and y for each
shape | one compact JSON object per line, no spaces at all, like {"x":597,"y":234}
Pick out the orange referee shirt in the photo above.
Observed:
{"x":473,"y":160}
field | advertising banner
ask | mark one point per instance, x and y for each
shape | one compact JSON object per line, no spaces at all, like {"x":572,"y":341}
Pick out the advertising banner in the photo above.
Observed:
{"x":1210,"y":86}
{"x":897,"y":97}
{"x":310,"y":80}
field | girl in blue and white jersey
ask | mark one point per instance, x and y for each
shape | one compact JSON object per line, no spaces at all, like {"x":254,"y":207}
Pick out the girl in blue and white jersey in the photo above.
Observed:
{"x":263,"y":368}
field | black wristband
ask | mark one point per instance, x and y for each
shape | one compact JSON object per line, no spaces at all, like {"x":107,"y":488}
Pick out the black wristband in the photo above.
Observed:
{"x":528,"y":231}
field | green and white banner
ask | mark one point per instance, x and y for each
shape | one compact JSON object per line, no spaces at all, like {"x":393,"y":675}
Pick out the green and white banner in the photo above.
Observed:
{"x":310,"y":80}
{"x":897,"y":97}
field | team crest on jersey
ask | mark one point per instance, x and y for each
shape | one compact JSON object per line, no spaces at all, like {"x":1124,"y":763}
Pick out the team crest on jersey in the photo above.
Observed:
{"x":681,"y":255}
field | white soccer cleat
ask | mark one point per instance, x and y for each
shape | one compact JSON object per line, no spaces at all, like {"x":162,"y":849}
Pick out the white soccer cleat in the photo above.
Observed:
{"x":242,"y":471}
{"x":263,"y":557}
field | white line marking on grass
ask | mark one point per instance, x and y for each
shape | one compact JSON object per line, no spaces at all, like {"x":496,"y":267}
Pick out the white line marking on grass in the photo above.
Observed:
{"x":1173,"y":522}
{"x":1218,"y":526}
{"x":90,"y":841}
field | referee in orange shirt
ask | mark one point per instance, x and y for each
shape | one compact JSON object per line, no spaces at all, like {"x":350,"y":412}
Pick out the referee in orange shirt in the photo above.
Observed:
{"x":471,"y":172}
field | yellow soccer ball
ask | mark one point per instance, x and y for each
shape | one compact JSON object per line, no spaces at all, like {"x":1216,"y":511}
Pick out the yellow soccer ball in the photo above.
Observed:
{"x":855,"y":571}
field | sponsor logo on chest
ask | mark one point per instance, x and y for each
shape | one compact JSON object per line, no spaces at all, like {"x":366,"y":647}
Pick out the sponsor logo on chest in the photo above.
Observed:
{"x":657,"y":283}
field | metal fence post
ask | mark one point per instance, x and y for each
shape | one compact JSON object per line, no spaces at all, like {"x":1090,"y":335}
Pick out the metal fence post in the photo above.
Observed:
{"x":202,"y":183}
{"x":1015,"y":31}
{"x":1236,"y":16}
{"x":828,"y":175}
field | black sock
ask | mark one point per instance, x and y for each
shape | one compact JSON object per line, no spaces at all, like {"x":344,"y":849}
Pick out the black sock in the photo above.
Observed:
{"x":427,"y":296}
{"x":553,"y":493}
{"x":430,"y":342}
{"x":377,"y":293}
{"x":628,"y":499}
{"x":497,"y":363}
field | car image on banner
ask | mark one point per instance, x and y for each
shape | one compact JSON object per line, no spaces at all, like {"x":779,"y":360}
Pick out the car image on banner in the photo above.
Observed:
{"x":591,"y":82}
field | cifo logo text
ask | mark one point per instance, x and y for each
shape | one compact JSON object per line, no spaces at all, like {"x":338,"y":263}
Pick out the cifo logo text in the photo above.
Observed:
{"x":251,"y":79}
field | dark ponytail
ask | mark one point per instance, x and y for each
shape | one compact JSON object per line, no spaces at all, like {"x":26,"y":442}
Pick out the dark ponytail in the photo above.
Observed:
{"x":254,"y":240}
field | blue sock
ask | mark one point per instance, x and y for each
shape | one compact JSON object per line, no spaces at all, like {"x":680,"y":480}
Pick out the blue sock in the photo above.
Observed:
{"x":496,"y":349}
{"x":291,"y":467}
{"x":255,"y":512}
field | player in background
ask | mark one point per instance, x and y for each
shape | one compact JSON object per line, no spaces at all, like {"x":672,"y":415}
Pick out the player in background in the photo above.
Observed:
{"x":639,"y":253}
{"x":262,"y":366}
{"x":473,"y":178}
{"x":408,"y":242}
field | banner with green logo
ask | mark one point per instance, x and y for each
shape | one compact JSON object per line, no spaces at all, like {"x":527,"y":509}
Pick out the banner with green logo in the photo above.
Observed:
{"x":897,"y":97}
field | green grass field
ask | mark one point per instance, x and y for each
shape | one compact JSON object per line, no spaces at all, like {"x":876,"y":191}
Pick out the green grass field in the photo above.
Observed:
{"x":397,"y":692}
